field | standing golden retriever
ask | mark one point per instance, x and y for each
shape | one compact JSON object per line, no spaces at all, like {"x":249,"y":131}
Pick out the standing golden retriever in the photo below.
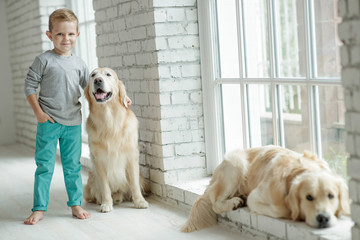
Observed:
{"x":113,"y":140}
{"x":278,"y":183}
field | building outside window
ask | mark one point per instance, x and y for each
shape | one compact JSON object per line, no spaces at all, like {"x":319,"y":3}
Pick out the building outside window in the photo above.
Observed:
{"x":271,"y":75}
{"x":86,"y":45}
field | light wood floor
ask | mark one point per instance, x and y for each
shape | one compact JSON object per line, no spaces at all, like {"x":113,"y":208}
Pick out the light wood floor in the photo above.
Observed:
{"x":17,"y":169}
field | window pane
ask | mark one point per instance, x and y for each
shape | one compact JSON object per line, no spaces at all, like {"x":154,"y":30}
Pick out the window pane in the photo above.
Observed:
{"x":90,"y":14}
{"x":85,"y":47}
{"x":327,"y":41}
{"x":81,"y":13}
{"x":332,"y":113}
{"x":295,"y":117}
{"x":92,"y":45}
{"x":290,"y":38}
{"x":83,"y":43}
{"x":256,"y":51}
{"x":227,"y":33}
{"x":231,"y":102}
{"x":260,"y":115}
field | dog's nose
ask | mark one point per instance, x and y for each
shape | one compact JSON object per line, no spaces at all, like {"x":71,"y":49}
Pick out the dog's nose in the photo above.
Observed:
{"x":323,"y":220}
{"x":97,"y":81}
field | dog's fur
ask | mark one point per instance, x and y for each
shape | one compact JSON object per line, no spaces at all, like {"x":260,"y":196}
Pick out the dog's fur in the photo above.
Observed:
{"x":278,"y":183}
{"x":113,"y":140}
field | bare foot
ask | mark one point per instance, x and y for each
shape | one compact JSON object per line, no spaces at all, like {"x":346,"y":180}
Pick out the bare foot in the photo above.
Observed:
{"x":79,"y":212}
{"x":34,"y":218}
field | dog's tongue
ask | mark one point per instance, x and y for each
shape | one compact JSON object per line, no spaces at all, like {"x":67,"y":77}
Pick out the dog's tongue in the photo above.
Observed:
{"x":100,"y":95}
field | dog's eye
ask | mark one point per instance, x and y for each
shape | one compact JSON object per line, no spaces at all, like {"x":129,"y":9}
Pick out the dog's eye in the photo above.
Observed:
{"x":331,"y":196}
{"x":93,"y":75}
{"x":309,"y":197}
{"x":108,"y":74}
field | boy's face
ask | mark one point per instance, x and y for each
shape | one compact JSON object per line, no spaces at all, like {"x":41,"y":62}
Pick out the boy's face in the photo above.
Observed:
{"x":63,"y":36}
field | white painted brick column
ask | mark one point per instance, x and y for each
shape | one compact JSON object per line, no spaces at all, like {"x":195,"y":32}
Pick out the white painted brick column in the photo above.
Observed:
{"x":349,"y":33}
{"x":126,"y":43}
{"x":182,"y":133}
{"x":153,"y":46}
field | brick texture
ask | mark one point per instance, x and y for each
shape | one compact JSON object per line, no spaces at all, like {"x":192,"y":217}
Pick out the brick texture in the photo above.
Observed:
{"x":349,"y":34}
{"x":27,"y":22}
{"x":154,"y":48}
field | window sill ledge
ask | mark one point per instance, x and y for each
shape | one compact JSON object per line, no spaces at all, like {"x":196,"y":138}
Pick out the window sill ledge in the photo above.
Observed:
{"x":259,"y":226}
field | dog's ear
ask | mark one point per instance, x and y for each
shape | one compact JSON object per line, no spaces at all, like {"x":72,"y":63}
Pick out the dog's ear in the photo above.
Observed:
{"x":310,"y":155}
{"x":344,"y":201}
{"x":292,"y":199}
{"x":123,"y":98}
{"x":127,"y":102}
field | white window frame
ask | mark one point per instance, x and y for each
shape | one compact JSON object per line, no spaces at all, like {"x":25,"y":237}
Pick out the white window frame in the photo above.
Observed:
{"x":214,"y":135}
{"x":89,"y":57}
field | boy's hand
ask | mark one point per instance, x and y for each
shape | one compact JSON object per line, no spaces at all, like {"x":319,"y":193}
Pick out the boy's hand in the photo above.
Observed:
{"x":128,"y":101}
{"x":43,"y":117}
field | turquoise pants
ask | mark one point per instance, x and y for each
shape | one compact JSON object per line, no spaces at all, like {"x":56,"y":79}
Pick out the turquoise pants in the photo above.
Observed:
{"x":69,"y":137}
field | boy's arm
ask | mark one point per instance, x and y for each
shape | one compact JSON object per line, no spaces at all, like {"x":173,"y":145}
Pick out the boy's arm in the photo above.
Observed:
{"x":32,"y":82}
{"x":84,"y":78}
{"x":39,"y":113}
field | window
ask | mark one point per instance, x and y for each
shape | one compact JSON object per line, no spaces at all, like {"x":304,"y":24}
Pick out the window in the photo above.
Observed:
{"x":86,"y":45}
{"x":271,"y":75}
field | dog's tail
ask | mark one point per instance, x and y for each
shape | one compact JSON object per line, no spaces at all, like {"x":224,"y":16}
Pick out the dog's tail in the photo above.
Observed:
{"x":144,"y":186}
{"x":201,"y":215}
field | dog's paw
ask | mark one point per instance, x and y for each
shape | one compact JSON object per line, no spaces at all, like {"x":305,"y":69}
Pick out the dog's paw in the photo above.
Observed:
{"x":105,"y":207}
{"x":141,"y":204}
{"x":237,"y":202}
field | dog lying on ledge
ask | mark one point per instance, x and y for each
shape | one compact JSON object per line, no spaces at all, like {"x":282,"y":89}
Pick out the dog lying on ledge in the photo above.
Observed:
{"x":275,"y":182}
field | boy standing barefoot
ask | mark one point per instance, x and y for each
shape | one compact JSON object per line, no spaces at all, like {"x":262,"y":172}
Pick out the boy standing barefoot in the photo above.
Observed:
{"x":58,"y":112}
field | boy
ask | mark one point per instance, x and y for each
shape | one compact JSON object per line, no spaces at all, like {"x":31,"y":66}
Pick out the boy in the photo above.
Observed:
{"x":58,"y":112}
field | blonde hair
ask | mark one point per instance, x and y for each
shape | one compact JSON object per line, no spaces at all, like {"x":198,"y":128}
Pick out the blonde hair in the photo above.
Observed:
{"x":62,"y":15}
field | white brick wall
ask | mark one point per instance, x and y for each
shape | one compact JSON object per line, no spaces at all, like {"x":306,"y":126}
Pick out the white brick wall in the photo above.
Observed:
{"x":27,"y":22}
{"x":349,"y":33}
{"x":154,"y":48}
{"x":7,"y":123}
{"x":21,"y":51}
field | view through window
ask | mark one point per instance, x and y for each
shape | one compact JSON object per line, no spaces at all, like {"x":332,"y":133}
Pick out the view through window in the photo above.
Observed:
{"x":276,"y":76}
{"x":86,"y":45}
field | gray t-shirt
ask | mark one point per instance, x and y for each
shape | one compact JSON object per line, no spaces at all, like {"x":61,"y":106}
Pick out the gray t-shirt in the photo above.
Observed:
{"x":59,"y":78}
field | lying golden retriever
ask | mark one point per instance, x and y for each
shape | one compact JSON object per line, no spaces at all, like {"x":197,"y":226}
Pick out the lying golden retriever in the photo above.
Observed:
{"x":277,"y":182}
{"x":113,"y":140}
